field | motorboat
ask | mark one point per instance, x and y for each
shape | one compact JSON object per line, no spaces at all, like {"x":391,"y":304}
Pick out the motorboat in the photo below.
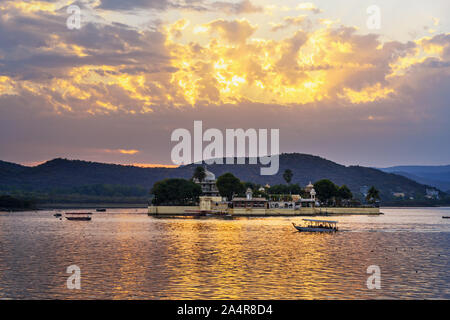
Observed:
{"x":311,"y":225}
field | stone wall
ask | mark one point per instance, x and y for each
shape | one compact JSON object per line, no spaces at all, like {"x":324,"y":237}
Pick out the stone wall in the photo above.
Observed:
{"x":348,"y":211}
{"x":186,"y":210}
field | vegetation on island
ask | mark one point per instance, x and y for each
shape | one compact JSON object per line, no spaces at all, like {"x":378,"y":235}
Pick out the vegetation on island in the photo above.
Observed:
{"x":186,"y":192}
{"x":228,"y":186}
{"x":199,"y":173}
{"x":331,"y":194}
{"x":373,"y":195}
{"x":176,"y":192}
{"x":286,"y":189}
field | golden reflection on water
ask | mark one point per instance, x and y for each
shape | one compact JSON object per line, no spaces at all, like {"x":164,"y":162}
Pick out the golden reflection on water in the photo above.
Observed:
{"x":219,"y":258}
{"x":133,"y":256}
{"x":128,"y":267}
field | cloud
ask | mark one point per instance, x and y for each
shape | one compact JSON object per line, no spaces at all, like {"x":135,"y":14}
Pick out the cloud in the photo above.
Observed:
{"x":109,"y":69}
{"x":308,"y":6}
{"x":244,"y":6}
{"x":230,"y":8}
{"x":176,"y":29}
{"x":121,"y":151}
{"x":81,"y":92}
{"x":299,"y":21}
{"x":134,"y":4}
{"x":115,"y":69}
{"x":234,"y":31}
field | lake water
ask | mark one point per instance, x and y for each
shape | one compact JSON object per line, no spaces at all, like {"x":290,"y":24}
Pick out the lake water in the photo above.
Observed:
{"x":124,"y":254}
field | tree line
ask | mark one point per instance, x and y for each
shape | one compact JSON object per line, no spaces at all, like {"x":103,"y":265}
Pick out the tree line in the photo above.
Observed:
{"x":187,"y":192}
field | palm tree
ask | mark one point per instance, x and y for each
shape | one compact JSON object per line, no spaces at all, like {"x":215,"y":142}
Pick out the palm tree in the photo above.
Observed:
{"x":372,"y":195}
{"x":199,"y":173}
{"x":287,"y":175}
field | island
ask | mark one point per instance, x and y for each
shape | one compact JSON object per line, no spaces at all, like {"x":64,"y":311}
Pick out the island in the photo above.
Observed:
{"x":204,"y":195}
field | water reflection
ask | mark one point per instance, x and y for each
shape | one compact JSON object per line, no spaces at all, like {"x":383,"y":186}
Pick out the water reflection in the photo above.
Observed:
{"x":132,"y":256}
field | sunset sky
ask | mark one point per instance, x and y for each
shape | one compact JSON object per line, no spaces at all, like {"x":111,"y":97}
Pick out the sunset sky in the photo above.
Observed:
{"x":115,"y":89}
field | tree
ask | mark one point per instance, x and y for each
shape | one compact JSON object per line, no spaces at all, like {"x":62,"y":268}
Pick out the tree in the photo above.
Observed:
{"x":199,"y":173}
{"x":287,"y":175}
{"x":251,"y":185}
{"x":345,"y":193}
{"x":325,"y":189}
{"x":285,"y":189}
{"x":176,"y":192}
{"x":229,"y":185}
{"x":372,"y":195}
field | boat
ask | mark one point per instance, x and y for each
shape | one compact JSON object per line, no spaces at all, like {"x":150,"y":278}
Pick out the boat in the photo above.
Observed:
{"x":446,"y":217}
{"x":100,"y":210}
{"x":78,"y":216}
{"x":57,"y":215}
{"x":311,"y":225}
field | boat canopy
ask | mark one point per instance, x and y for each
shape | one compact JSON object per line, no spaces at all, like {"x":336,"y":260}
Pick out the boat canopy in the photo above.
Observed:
{"x":320,"y":221}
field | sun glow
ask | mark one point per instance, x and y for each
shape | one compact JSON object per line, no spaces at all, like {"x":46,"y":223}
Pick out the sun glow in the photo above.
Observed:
{"x":226,"y":60}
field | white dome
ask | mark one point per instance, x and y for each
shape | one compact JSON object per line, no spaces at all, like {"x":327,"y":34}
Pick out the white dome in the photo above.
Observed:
{"x":209,"y":175}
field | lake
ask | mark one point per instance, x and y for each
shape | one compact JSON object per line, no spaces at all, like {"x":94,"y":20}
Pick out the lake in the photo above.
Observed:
{"x":125,"y":254}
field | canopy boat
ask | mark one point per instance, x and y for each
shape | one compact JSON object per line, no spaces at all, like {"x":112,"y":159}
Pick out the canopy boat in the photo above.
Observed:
{"x":57,"y":215}
{"x":311,"y":225}
{"x":446,"y":217}
{"x":78,"y":216}
{"x":100,"y":210}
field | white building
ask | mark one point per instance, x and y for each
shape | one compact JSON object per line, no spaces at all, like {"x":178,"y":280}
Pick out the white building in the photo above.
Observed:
{"x":432,"y":194}
{"x":208,"y":184}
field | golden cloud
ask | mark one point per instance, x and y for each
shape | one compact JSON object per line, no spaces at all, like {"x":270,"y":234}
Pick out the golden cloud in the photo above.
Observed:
{"x":229,"y":66}
{"x":121,"y":151}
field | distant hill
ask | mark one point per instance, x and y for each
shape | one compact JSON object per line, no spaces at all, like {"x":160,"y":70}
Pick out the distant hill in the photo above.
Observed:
{"x":63,"y":174}
{"x":8,"y":167}
{"x":436,"y":176}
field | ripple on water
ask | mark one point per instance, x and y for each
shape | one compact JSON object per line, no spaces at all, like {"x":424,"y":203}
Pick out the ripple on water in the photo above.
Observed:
{"x":132,"y":256}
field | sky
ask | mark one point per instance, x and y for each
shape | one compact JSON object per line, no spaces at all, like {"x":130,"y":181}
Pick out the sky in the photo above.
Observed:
{"x":337,"y":79}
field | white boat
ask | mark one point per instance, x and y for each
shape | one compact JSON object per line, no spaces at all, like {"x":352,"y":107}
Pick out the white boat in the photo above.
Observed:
{"x":311,"y":225}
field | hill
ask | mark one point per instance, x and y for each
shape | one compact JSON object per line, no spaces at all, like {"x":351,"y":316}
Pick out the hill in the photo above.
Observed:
{"x":436,"y":176}
{"x":62,"y":176}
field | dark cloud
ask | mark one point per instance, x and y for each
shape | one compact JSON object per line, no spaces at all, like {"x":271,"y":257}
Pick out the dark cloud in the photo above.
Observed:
{"x":134,"y":4}
{"x":32,"y":46}
{"x":241,"y":7}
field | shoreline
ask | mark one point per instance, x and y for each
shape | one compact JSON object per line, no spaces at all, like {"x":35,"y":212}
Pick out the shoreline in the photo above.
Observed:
{"x":92,"y":206}
{"x":260,"y":212}
{"x":61,"y":206}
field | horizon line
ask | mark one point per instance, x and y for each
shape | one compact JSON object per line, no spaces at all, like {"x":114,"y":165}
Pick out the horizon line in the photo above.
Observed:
{"x":173,"y":166}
